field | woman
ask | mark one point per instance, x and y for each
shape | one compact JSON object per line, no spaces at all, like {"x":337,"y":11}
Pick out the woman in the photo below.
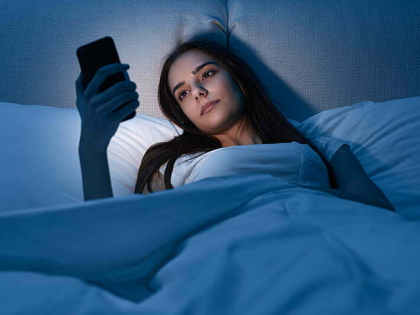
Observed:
{"x":195,"y":73}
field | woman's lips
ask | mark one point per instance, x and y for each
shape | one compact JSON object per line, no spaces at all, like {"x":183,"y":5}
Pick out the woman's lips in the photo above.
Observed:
{"x":209,"y":108}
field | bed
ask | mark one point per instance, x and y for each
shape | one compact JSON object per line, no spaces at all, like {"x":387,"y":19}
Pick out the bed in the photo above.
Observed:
{"x":259,"y":244}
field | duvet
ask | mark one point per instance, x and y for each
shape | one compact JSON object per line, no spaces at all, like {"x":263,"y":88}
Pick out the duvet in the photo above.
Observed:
{"x":240,"y":244}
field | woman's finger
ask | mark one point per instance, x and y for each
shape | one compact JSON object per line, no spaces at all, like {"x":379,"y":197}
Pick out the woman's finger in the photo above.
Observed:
{"x":115,"y":90}
{"x":101,"y":76}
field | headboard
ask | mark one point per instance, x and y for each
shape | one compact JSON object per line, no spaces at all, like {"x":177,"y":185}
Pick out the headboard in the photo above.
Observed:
{"x":311,"y":55}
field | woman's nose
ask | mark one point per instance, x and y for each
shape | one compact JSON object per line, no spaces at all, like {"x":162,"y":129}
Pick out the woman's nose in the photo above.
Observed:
{"x":198,"y":90}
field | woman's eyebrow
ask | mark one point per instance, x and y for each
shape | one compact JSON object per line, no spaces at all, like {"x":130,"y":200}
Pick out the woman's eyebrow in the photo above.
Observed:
{"x":193,"y":72}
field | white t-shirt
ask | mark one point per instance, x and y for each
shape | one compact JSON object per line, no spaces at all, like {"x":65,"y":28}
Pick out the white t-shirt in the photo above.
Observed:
{"x":293,"y":162}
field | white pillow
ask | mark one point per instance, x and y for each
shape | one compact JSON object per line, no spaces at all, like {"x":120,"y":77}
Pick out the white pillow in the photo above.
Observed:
{"x":39,"y":154}
{"x":385,"y":138}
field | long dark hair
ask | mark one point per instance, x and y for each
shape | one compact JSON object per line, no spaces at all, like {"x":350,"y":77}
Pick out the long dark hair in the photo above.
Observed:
{"x":258,"y":111}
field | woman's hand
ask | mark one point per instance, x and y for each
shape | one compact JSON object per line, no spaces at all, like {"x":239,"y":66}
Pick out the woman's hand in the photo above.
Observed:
{"x":101,"y":113}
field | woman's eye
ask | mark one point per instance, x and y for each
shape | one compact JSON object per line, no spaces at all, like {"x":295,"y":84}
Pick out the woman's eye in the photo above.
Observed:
{"x":180,"y":95}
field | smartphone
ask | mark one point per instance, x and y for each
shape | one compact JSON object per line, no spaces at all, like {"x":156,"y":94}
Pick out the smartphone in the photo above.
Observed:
{"x":95,"y":55}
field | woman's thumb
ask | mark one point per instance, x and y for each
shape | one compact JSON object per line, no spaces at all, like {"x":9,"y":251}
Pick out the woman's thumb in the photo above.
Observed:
{"x":79,"y":86}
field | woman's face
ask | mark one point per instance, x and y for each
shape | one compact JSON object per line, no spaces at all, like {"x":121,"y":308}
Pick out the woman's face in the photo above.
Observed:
{"x":210,"y":83}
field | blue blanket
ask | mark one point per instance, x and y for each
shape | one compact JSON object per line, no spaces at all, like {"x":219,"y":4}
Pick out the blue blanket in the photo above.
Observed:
{"x":241,"y":244}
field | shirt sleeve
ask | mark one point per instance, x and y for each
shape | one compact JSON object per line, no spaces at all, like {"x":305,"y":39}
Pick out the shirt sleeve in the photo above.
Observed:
{"x":179,"y":171}
{"x":328,"y":145}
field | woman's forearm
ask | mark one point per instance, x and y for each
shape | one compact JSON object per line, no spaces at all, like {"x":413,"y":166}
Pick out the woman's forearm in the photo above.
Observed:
{"x":95,"y":173}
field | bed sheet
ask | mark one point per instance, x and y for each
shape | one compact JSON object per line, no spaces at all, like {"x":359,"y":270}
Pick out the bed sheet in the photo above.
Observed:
{"x":240,"y":244}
